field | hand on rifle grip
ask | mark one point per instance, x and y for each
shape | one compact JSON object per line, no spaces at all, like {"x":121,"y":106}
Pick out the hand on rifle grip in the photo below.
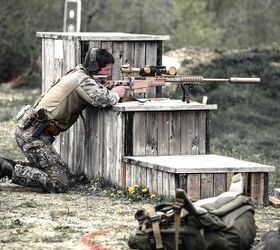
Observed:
{"x":120,"y":90}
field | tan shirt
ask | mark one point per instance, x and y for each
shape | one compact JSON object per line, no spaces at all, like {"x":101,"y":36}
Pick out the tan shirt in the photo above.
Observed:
{"x":71,"y":94}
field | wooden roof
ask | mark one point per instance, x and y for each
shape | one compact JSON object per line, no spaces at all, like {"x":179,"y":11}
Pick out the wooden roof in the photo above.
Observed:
{"x":198,"y":164}
{"x":102,"y":36}
{"x":161,"y":104}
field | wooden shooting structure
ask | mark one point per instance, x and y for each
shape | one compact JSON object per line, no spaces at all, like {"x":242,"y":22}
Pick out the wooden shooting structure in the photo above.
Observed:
{"x":160,"y":144}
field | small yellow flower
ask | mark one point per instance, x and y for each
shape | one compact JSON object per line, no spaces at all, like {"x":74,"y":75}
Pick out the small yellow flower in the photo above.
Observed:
{"x":136,"y":186}
{"x":144,"y":190}
{"x":131,"y":189}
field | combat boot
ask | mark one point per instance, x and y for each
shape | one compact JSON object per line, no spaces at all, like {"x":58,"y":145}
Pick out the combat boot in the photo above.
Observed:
{"x":6,"y":167}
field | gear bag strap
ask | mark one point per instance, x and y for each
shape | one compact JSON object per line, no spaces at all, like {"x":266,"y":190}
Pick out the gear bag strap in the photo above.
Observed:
{"x":151,"y":213}
{"x":177,"y":208}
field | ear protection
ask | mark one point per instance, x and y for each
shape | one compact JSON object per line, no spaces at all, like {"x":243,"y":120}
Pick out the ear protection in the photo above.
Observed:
{"x":93,"y":65}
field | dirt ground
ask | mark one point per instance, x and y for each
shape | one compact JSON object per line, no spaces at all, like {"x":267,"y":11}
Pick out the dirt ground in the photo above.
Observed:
{"x":78,"y":219}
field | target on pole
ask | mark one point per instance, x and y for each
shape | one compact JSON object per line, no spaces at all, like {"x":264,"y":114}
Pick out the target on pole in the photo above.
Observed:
{"x":72,"y":16}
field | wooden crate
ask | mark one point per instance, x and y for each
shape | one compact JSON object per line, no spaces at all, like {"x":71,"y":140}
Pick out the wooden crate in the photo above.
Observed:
{"x":62,"y":51}
{"x":202,"y":176}
{"x":165,"y":127}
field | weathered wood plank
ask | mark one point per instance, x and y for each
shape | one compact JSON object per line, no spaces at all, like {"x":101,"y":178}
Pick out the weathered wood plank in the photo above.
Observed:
{"x":219,"y":183}
{"x":103,"y":36}
{"x":257,"y":189}
{"x":160,"y":183}
{"x":139,"y":59}
{"x":206,"y":186}
{"x":172,"y":184}
{"x":183,"y":181}
{"x":174,"y":133}
{"x":93,"y":142}
{"x":193,"y":186}
{"x":94,"y":44}
{"x":201,"y":132}
{"x":118,"y":145}
{"x":128,"y":53}
{"x":165,"y":184}
{"x":163,"y":132}
{"x":127,"y":174}
{"x":150,"y":179}
{"x":118,"y":50}
{"x":187,"y":131}
{"x":151,"y":59}
{"x":139,"y":133}
{"x":151,"y":134}
{"x":101,"y":135}
{"x":229,"y":177}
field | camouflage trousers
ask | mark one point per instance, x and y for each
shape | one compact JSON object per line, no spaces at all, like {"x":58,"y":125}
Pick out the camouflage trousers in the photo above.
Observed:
{"x":44,"y":168}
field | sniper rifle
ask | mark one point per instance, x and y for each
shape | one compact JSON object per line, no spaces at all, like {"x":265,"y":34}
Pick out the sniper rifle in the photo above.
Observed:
{"x":154,"y":76}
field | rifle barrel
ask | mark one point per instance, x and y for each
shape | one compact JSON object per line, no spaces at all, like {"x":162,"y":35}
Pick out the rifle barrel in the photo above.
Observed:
{"x":200,"y":79}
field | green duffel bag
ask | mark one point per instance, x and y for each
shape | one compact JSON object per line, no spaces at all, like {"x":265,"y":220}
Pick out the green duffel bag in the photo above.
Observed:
{"x":224,"y":223}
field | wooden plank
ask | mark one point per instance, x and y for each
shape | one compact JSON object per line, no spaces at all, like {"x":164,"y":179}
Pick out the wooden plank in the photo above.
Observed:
{"x":128,"y":175}
{"x":183,"y":164}
{"x":265,"y":187}
{"x":139,"y":59}
{"x":160,"y":183}
{"x":257,"y":186}
{"x":163,"y":132}
{"x":44,"y":66}
{"x":201,"y":128}
{"x":118,"y":50}
{"x":138,"y":175}
{"x":151,"y":59}
{"x":80,"y":147}
{"x":172,"y":184}
{"x":219,"y":183}
{"x":183,"y":181}
{"x":94,"y":44}
{"x":111,"y":150}
{"x":193,"y":186}
{"x":186,"y":132}
{"x":122,"y":181}
{"x":101,"y":135}
{"x":155,"y":180}
{"x":195,"y":135}
{"x":246,"y":183}
{"x":134,"y":175}
{"x":165,"y":184}
{"x":118,"y":145}
{"x":151,"y":133}
{"x":107,"y":145}
{"x":174,"y":133}
{"x":93,"y":142}
{"x":107,"y":45}
{"x":102,"y":36}
{"x":139,"y":133}
{"x":206,"y":186}
{"x":69,"y":55}
{"x":229,"y":177}
{"x":128,"y":53}
{"x":150,"y":179}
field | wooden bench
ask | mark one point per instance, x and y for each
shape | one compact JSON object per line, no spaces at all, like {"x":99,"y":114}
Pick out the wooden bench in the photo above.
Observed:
{"x":202,"y":176}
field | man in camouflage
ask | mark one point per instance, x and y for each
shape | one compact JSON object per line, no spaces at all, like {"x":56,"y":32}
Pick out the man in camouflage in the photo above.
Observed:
{"x":55,"y":111}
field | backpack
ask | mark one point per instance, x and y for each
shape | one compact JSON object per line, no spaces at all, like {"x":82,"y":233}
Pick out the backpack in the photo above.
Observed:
{"x":225,"y":222}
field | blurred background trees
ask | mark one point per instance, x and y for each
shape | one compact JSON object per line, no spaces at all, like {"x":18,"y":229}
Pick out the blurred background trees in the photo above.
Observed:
{"x":200,"y":23}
